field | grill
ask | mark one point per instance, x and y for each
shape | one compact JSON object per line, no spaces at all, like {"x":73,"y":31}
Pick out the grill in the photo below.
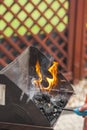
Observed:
{"x":26,"y":106}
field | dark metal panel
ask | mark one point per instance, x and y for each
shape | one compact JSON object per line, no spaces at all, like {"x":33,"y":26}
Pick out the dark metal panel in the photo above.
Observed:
{"x":13,"y":94}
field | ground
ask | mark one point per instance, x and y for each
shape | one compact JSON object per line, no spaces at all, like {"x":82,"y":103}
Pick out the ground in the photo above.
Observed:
{"x":71,"y":121}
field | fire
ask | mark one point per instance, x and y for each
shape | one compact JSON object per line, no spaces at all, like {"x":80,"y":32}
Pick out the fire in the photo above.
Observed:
{"x":53,"y":70}
{"x":52,"y":82}
{"x":38,"y":71}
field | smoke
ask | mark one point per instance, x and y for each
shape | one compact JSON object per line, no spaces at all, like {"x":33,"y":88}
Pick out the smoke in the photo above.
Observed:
{"x":33,"y":90}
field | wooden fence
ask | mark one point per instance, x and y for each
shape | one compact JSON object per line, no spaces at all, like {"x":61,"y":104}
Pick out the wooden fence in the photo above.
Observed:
{"x":57,"y":27}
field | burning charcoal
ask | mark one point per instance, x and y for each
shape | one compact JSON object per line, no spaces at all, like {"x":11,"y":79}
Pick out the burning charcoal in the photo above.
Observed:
{"x":55,"y":109}
{"x":60,"y":104}
{"x":61,"y":99}
{"x":38,"y":97}
{"x":41,"y":97}
{"x":46,"y":97}
{"x":38,"y":100}
{"x":47,"y":106}
{"x":49,"y":110}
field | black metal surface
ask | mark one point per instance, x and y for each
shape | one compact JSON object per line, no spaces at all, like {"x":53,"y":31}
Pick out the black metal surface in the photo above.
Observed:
{"x":13,"y":113}
{"x":13,"y":92}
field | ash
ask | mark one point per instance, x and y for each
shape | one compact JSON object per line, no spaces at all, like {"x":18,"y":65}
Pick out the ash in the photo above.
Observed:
{"x":51,"y":106}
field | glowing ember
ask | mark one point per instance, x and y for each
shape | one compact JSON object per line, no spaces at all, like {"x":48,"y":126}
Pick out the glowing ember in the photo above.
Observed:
{"x":52,"y":82}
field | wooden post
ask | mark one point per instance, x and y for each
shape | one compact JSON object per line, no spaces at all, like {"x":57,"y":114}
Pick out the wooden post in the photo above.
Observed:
{"x":78,"y":39}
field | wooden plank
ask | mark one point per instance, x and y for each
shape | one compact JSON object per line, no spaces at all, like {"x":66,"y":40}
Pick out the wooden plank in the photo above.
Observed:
{"x":78,"y":39}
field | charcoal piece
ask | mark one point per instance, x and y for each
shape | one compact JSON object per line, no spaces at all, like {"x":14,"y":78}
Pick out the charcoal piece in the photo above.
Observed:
{"x":41,"y":97}
{"x":46,"y":97}
{"x":48,"y":110}
{"x":38,"y":97}
{"x":60,"y":101}
{"x":60,"y":104}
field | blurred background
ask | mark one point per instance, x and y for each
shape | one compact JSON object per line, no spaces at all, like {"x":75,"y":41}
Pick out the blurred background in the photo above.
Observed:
{"x":58,"y":28}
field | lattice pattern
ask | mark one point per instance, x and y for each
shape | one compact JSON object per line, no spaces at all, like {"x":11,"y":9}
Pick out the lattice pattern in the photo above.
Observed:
{"x":34,"y":15}
{"x":43,"y":24}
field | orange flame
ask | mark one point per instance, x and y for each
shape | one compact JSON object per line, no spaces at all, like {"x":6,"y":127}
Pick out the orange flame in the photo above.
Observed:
{"x":51,"y":81}
{"x":38,"y":82}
